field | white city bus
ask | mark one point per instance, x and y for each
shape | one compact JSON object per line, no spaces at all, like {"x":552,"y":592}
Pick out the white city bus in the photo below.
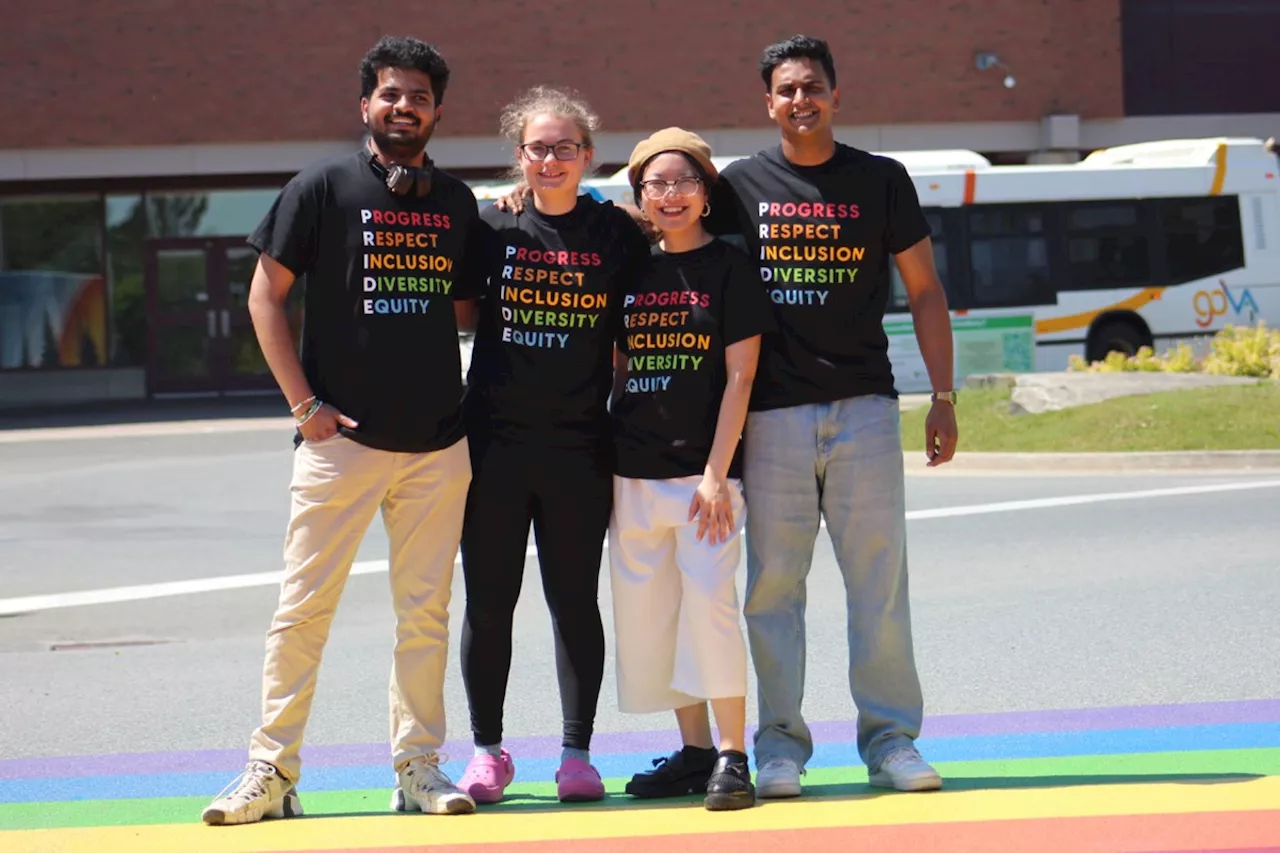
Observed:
{"x":1137,"y":245}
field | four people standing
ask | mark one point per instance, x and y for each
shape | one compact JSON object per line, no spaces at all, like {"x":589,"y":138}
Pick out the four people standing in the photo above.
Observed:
{"x":551,"y":288}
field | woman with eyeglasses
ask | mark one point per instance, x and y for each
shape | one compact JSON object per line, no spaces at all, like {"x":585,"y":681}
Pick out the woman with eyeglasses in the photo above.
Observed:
{"x":538,"y":424}
{"x":692,"y":323}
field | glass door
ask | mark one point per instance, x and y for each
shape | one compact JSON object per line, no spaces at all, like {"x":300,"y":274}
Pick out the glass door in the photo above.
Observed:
{"x":201,"y":337}
{"x":182,"y":318}
{"x":246,"y":369}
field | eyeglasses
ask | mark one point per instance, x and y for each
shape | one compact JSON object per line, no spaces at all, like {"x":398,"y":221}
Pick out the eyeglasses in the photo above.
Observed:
{"x":658,"y":189}
{"x":562,"y":150}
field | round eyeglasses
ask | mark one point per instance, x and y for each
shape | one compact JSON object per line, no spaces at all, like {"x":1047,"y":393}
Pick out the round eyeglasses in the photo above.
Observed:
{"x":565,"y":150}
{"x":656,"y":189}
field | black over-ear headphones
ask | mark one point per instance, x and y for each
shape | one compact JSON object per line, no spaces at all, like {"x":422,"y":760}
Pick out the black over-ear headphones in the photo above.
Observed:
{"x":405,"y":180}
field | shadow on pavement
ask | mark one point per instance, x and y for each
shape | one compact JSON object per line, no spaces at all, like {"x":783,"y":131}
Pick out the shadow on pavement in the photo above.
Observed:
{"x":847,"y":790}
{"x":145,"y":411}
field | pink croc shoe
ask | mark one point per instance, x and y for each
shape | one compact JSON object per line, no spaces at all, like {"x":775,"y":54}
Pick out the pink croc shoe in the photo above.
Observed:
{"x":487,"y":776}
{"x":578,"y":782}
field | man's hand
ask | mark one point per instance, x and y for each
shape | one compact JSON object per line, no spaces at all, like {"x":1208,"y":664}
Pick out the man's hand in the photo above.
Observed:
{"x":940,"y":433}
{"x":513,"y":201}
{"x":324,"y":424}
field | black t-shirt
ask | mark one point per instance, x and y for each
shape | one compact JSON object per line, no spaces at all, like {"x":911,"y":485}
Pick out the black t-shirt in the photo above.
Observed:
{"x":682,"y":313}
{"x":542,"y":363}
{"x":823,"y":237}
{"x":379,"y":340}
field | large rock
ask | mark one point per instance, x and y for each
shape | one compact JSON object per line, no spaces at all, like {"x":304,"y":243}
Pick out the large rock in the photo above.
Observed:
{"x":1049,"y":392}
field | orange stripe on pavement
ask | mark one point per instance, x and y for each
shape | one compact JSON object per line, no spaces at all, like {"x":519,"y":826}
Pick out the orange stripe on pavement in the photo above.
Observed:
{"x":1238,"y":832}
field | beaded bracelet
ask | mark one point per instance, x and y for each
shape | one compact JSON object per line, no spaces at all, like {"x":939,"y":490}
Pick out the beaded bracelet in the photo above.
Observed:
{"x":293,"y":410}
{"x":315,"y":407}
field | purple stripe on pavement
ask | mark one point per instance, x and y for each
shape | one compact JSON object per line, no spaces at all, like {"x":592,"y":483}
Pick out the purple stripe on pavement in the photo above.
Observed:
{"x":954,"y":725}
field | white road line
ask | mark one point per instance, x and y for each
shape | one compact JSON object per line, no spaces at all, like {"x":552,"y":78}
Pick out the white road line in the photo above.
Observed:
{"x":1077,"y":500}
{"x":142,"y":592}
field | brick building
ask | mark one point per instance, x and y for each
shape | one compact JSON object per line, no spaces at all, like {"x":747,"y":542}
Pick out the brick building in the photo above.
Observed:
{"x":142,"y":139}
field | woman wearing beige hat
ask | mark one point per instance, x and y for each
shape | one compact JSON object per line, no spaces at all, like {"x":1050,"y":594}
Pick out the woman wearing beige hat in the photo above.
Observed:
{"x":691,"y":327}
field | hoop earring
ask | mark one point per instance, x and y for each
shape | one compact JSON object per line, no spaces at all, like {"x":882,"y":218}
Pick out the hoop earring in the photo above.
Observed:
{"x":706,"y":209}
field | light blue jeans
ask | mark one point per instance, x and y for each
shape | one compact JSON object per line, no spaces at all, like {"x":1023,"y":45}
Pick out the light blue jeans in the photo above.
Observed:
{"x":842,"y":462}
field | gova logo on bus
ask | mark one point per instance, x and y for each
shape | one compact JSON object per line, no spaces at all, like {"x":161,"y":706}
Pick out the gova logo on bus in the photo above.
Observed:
{"x":1211,"y":304}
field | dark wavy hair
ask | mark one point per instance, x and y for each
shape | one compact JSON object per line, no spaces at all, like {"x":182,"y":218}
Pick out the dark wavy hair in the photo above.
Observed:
{"x":796,"y":47}
{"x":405,"y":54}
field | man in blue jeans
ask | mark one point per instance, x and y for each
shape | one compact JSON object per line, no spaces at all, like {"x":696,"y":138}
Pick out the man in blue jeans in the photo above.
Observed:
{"x":823,"y":436}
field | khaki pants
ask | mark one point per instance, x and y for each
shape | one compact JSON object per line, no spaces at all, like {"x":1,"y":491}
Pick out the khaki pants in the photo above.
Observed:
{"x":338,"y":486}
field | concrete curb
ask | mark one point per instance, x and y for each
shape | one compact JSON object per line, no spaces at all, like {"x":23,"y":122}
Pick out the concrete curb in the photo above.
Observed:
{"x":1042,"y":463}
{"x":914,"y":461}
{"x":148,"y":430}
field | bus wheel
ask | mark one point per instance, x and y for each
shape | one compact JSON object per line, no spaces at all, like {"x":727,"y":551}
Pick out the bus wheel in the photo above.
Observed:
{"x":1120,"y":336}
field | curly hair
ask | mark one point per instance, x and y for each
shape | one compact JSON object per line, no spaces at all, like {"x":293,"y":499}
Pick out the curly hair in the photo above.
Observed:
{"x":547,"y":100}
{"x":406,"y":54}
{"x":796,"y":47}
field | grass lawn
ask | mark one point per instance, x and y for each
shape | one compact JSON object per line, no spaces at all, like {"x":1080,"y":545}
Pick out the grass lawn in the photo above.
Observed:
{"x":1241,"y":417}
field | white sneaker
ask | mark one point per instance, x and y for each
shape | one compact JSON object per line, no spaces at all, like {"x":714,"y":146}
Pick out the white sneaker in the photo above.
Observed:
{"x":905,"y":770}
{"x":424,"y":787}
{"x":778,"y":778}
{"x":260,"y":792}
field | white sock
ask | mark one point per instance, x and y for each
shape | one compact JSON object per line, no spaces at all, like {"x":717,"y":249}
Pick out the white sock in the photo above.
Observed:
{"x":583,"y":755}
{"x":495,"y":750}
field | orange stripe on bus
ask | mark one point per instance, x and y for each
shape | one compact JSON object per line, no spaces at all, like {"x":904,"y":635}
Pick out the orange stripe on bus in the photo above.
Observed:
{"x":1220,"y":170}
{"x":1080,"y":321}
{"x":970,"y":185}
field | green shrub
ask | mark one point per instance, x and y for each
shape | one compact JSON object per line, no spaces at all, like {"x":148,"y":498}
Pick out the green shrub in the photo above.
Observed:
{"x":1234,"y":351}
{"x":1244,"y":352}
{"x":1180,"y":359}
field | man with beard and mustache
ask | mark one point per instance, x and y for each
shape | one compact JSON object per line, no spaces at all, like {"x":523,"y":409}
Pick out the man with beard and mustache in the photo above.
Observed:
{"x":823,"y":438}
{"x":386,"y":244}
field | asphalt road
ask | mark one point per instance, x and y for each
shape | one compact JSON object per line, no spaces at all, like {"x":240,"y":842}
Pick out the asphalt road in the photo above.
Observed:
{"x":1157,"y":599}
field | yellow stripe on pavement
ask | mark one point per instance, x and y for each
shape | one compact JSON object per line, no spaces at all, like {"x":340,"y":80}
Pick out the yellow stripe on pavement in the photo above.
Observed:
{"x":890,"y":808}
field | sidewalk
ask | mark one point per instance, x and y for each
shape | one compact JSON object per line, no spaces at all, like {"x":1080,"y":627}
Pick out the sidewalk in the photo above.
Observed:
{"x":145,"y":418}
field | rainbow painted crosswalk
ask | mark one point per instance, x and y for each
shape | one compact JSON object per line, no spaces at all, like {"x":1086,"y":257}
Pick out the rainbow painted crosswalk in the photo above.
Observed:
{"x":1157,"y":779}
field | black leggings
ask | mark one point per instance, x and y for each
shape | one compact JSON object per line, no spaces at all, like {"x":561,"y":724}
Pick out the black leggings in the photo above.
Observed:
{"x":568,"y":499}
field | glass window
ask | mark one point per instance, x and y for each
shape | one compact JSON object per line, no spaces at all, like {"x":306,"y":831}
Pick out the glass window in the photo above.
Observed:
{"x":1009,"y":256}
{"x":1106,"y":247}
{"x":126,"y":229}
{"x":1202,"y":237}
{"x":1102,"y":216}
{"x":218,"y":213}
{"x":898,"y":301}
{"x":52,"y":291}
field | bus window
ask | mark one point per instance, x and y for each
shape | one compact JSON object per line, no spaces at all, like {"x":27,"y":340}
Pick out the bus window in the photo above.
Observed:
{"x":898,"y":293}
{"x":1106,"y":247}
{"x":1202,"y":236}
{"x":1008,"y":256}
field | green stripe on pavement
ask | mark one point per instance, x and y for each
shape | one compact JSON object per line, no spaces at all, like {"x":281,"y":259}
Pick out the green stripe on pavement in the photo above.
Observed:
{"x":1072,"y":771}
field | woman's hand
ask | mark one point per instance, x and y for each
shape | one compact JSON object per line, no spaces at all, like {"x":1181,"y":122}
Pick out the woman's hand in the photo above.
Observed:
{"x":712,"y":507}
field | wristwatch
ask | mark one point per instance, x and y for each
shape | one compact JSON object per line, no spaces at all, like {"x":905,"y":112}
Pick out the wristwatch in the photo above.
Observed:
{"x":943,"y":396}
